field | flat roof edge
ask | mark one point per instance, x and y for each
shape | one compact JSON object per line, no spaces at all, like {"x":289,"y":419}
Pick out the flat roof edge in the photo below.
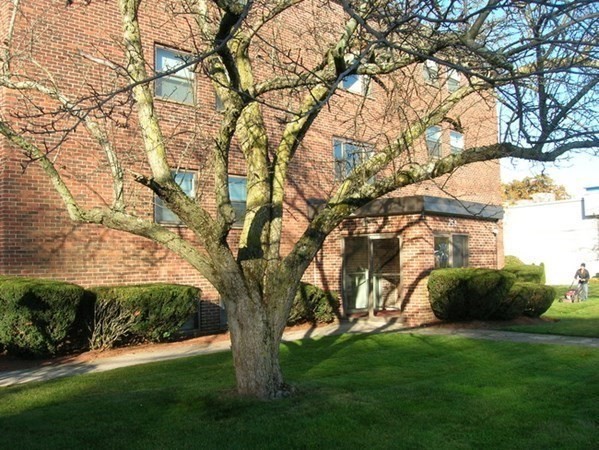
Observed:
{"x":439,"y":206}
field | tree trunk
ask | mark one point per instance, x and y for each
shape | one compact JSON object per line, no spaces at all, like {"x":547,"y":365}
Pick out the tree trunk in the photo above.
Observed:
{"x":255,"y":340}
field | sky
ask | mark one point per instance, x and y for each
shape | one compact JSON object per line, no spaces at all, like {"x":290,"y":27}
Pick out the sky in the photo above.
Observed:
{"x":575,"y":173}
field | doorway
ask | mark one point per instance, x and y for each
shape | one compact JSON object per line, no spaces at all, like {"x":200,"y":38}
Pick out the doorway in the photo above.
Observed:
{"x":372,"y":280}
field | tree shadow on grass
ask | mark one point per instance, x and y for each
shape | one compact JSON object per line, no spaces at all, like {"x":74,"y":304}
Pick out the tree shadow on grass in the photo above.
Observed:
{"x":411,"y":384}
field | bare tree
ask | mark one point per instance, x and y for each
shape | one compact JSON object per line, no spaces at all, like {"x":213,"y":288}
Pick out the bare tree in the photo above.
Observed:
{"x":283,"y":62}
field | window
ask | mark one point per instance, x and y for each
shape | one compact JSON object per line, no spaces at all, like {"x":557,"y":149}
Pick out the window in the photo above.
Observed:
{"x":433,"y":141}
{"x":219,"y":104}
{"x":358,"y":84}
{"x":371,"y":272}
{"x":430,"y":72}
{"x":459,"y":255}
{"x":451,"y":251}
{"x":315,"y":206}
{"x":456,"y":141}
{"x":348,"y":155}
{"x":442,"y":252}
{"x":238,"y":196}
{"x":186,"y":180}
{"x":453,"y":80}
{"x":177,"y":87}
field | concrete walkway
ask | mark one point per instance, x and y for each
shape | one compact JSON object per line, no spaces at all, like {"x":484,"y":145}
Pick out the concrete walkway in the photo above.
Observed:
{"x":154,"y":354}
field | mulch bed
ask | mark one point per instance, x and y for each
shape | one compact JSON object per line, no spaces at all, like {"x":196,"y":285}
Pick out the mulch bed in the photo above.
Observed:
{"x":9,"y":363}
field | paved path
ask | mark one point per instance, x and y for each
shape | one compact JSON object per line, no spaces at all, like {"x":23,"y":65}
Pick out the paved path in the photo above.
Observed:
{"x":142,"y":356}
{"x":497,"y":335}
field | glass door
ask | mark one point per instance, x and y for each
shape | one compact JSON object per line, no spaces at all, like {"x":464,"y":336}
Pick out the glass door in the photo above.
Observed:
{"x":356,"y":277}
{"x":371,"y":273}
{"x":386,"y":281}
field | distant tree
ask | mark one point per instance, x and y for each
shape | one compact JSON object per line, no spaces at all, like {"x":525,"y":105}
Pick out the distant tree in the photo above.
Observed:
{"x":525,"y":188}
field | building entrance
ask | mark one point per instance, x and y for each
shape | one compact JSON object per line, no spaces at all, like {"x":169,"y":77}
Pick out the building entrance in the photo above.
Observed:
{"x":372,"y":280}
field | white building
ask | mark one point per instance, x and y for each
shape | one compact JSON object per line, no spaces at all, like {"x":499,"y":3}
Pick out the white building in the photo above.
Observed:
{"x":560,"y":234}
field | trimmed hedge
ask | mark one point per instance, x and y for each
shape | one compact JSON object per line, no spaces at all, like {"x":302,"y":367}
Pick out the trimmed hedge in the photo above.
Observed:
{"x":155,"y":311}
{"x":38,"y":318}
{"x":515,"y":302}
{"x":314,"y":305}
{"x":540,"y":298}
{"x":468,"y":294}
{"x":511,"y":260}
{"x":528,"y":273}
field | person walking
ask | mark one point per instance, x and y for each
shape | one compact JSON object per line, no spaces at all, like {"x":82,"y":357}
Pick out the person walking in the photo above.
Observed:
{"x":583,"y":276}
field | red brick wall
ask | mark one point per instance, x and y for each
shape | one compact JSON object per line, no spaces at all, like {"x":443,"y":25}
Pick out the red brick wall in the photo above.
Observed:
{"x":5,"y":10}
{"x":4,"y":200}
{"x":416,"y":234}
{"x":38,"y":239}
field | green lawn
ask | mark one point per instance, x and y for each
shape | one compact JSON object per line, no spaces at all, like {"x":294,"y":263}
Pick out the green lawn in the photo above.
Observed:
{"x":354,"y":392}
{"x":570,"y":319}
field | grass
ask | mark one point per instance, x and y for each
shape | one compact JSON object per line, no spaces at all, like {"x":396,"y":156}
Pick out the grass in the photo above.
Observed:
{"x":354,"y":392}
{"x":568,"y":319}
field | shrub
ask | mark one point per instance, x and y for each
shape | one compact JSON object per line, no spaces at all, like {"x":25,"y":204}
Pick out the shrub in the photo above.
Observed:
{"x":466,"y":294}
{"x":152,"y":312}
{"x":540,"y":298}
{"x":528,"y":273}
{"x":514,"y":303}
{"x":314,"y":305}
{"x":511,"y":260}
{"x":38,"y":317}
{"x":112,"y":324}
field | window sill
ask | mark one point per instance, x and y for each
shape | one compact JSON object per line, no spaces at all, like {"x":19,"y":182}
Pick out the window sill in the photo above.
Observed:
{"x":171,"y":224}
{"x":175,"y":102}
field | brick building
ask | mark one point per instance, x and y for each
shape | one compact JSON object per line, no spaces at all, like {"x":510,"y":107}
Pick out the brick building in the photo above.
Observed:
{"x":378,"y":260}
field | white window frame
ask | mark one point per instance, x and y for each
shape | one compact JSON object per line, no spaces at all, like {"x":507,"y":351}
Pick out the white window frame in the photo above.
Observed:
{"x":356,"y":84}
{"x":434,"y":141}
{"x":430,"y":72}
{"x":184,"y":77}
{"x":162,"y":214}
{"x":454,"y":80}
{"x":456,"y":141}
{"x":239,"y":205}
{"x":346,"y":158}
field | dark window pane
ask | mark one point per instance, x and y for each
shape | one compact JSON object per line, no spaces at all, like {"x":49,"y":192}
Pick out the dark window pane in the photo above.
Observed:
{"x":175,"y":89}
{"x":240,"y":209}
{"x":385,"y":255}
{"x":356,"y":272}
{"x":460,"y":251}
{"x":442,"y":249}
{"x":433,"y":141}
